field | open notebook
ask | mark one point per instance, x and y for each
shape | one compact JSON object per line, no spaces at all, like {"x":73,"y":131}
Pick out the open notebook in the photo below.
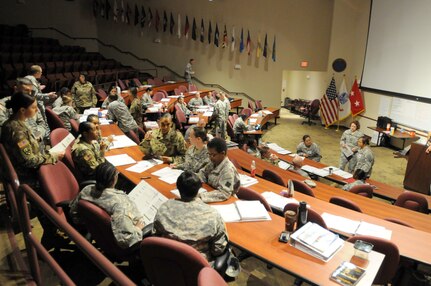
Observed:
{"x":243,"y":211}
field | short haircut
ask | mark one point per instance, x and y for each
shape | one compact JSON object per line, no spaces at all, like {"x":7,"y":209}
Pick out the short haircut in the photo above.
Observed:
{"x":166,"y":116}
{"x":359,"y":174}
{"x":356,"y":122}
{"x":85,"y":127}
{"x":105,"y":174}
{"x":64,"y":90}
{"x":148,"y":89}
{"x":243,"y":116}
{"x":200,"y":133}
{"x":19,"y":100}
{"x":113,"y":97}
{"x":188,"y":184}
{"x":23,"y":81}
{"x":365,"y":139}
{"x":34,"y":69}
{"x":191,"y":60}
{"x":264,"y":150}
{"x":218,"y":144}
{"x":305,"y":137}
{"x":91,"y":117}
{"x":134,"y":91}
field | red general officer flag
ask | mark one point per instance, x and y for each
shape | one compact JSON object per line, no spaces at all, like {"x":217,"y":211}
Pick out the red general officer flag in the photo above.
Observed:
{"x":356,"y":102}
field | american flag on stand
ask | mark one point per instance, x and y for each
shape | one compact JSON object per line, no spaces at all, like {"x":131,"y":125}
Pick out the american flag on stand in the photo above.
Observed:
{"x":329,"y":105}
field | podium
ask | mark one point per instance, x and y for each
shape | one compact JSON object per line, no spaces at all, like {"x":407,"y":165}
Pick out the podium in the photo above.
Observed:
{"x":418,"y":176}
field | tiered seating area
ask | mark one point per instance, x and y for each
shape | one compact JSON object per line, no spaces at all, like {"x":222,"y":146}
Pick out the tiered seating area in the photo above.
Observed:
{"x":61,"y":64}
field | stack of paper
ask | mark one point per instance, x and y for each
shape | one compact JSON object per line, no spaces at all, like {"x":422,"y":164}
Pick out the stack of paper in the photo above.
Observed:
{"x":173,"y":96}
{"x":120,"y":160}
{"x":152,"y":109}
{"x":278,"y":149}
{"x":104,"y":121}
{"x":148,"y":200}
{"x":165,"y":99}
{"x":193,"y":92}
{"x":122,"y":141}
{"x":316,"y":171}
{"x":339,"y":172}
{"x":93,"y":110}
{"x":267,"y":112}
{"x":317,"y":241}
{"x":151,"y":125}
{"x":144,"y":165}
{"x":208,"y":113}
{"x":243,"y":211}
{"x":255,"y":115}
{"x":284,"y":165}
{"x":61,"y":147}
{"x":168,"y":175}
{"x":355,"y":227}
{"x":277,"y":201}
{"x":194,"y":119}
{"x":252,"y":120}
{"x":247,"y":181}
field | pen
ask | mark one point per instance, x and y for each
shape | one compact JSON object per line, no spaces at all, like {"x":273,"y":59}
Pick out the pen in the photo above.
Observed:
{"x":146,"y":177}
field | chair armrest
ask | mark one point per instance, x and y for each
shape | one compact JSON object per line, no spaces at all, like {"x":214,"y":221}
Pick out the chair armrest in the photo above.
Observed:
{"x":220,"y":263}
{"x":86,"y":183}
{"x":147,"y":230}
{"x":63,"y":204}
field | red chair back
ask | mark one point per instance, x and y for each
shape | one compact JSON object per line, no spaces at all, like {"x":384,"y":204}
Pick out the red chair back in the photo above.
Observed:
{"x":177,"y":91}
{"x":273,"y":177}
{"x":151,"y":82}
{"x":412,"y":201}
{"x":250,"y":105}
{"x":158,"y":81}
{"x":102,"y":94}
{"x":98,"y":224}
{"x":302,"y":188}
{"x":169,"y":262}
{"x":247,"y":111}
{"x":258,"y":104}
{"x":397,"y":221}
{"x":158,"y":96}
{"x":251,"y":195}
{"x":392,"y":257}
{"x":11,"y":181}
{"x":132,"y":135}
{"x":57,"y":184}
{"x":183,"y":89}
{"x":121,"y":84}
{"x":345,"y":203}
{"x":192,"y":87}
{"x":209,"y":277}
{"x":137,"y":82}
{"x":312,"y":216}
{"x":362,"y":190}
{"x":75,"y":127}
{"x":54,"y":121}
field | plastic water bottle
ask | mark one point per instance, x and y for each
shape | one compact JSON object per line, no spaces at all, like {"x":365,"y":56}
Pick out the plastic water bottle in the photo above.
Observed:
{"x":253,"y":169}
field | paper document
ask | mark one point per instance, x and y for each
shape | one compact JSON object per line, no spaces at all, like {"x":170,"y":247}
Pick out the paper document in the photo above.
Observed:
{"x":168,"y":174}
{"x":176,"y":192}
{"x":120,"y":160}
{"x":151,"y":125}
{"x":277,"y":201}
{"x":173,"y":96}
{"x":339,"y":172}
{"x":347,"y":152}
{"x":316,"y":171}
{"x":152,"y":110}
{"x":194,"y":119}
{"x":247,"y":181}
{"x":254,"y":115}
{"x":193,"y":92}
{"x":340,"y":223}
{"x":121,"y":141}
{"x":278,"y":149}
{"x":104,"y":121}
{"x":243,"y":211}
{"x":148,"y":200}
{"x":165,"y":100}
{"x":62,"y":145}
{"x":93,"y":110}
{"x":267,"y":112}
{"x":208,"y":113}
{"x":252,"y":120}
{"x":144,"y":165}
{"x":366,"y":228}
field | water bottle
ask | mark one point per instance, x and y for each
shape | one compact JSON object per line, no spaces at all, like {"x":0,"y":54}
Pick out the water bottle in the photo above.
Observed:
{"x":302,"y":215}
{"x":290,"y":189}
{"x":253,"y":169}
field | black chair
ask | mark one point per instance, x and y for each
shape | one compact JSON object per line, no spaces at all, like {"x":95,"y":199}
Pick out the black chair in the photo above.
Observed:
{"x":311,"y":112}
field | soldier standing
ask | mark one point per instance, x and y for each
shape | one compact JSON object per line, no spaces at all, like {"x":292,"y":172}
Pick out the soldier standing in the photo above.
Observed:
{"x":84,"y":94}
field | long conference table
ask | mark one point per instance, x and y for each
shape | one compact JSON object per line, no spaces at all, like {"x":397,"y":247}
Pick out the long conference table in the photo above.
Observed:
{"x":260,"y":239}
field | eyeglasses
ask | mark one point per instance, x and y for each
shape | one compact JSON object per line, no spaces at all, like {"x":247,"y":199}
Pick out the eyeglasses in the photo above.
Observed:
{"x":213,"y":154}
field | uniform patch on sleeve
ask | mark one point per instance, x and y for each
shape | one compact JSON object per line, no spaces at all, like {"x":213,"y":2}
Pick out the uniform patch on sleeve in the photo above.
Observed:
{"x":23,"y":143}
{"x":228,"y":184}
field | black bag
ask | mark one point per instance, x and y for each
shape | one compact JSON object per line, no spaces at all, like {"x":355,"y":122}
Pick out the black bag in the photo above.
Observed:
{"x":411,"y":277}
{"x":382,"y":121}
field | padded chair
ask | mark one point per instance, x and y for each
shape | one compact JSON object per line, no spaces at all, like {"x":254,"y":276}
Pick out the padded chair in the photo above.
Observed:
{"x":58,"y":186}
{"x":235,"y":163}
{"x":54,"y":121}
{"x":183,"y":88}
{"x":391,"y":261}
{"x":137,"y":82}
{"x":57,"y":135}
{"x":250,"y":105}
{"x":247,"y":111}
{"x":302,"y":188}
{"x":312,"y":216}
{"x":311,"y":112}
{"x":412,"y":201}
{"x":132,"y":135}
{"x":121,"y":84}
{"x":251,"y":195}
{"x":158,"y":96}
{"x":158,"y":81}
{"x":193,"y":87}
{"x":229,"y":129}
{"x":258,"y":104}
{"x":75,"y":127}
{"x":273,"y":177}
{"x":11,"y":182}
{"x":209,"y":277}
{"x":98,"y":224}
{"x":101,"y":94}
{"x":362,"y":190}
{"x":177,"y":91}
{"x":397,"y":221}
{"x":169,"y":262}
{"x":345,"y":203}
{"x":181,"y":120}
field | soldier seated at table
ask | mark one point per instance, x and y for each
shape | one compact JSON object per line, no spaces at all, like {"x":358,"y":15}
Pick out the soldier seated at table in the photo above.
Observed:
{"x":220,"y":173}
{"x":360,"y":176}
{"x":183,"y":106}
{"x":239,"y":127}
{"x":364,"y":157}
{"x":197,"y":154}
{"x":196,"y":101}
{"x":177,"y":219}
{"x":165,"y":143}
{"x":297,"y":163}
{"x":267,"y":156}
{"x":308,"y":149}
{"x":118,"y":112}
{"x":112,"y":90}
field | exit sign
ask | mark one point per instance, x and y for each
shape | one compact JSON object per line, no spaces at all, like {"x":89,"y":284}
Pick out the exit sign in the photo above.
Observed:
{"x":304,"y":64}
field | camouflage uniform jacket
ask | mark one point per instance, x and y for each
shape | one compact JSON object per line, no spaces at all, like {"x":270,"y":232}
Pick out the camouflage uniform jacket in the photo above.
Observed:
{"x":146,"y":100}
{"x":172,"y":145}
{"x":193,"y":223}
{"x":365,"y":160}
{"x":184,"y":108}
{"x":351,"y":138}
{"x":4,"y":112}
{"x":239,"y":126}
{"x":66,"y":112}
{"x":57,"y":102}
{"x":220,"y":111}
{"x":347,"y":187}
{"x":272,"y":161}
{"x":299,"y":171}
{"x":118,"y":111}
{"x":106,"y":102}
{"x":195,"y":159}
{"x":227,"y":106}
{"x":223,"y":178}
{"x":84,"y":95}
{"x":136,"y":111}
{"x":23,"y":150}
{"x":313,"y":151}
{"x":195,"y":102}
{"x":87,"y":157}
{"x":123,"y":211}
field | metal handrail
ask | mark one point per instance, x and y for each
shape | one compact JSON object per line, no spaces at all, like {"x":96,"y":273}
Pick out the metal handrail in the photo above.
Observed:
{"x":147,"y":60}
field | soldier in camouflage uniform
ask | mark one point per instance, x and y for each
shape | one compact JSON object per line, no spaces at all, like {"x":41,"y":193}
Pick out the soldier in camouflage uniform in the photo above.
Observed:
{"x":220,"y":115}
{"x":119,"y":112}
{"x":20,"y":143}
{"x":165,"y":142}
{"x":360,"y":176}
{"x":364,"y":157}
{"x":83,"y":94}
{"x":267,"y":156}
{"x":190,"y":221}
{"x":66,"y":111}
{"x":220,"y":174}
{"x":4,"y":112}
{"x":308,"y":149}
{"x":196,"y":101}
{"x":349,"y":139}
{"x":136,"y":107}
{"x":86,"y":151}
{"x":93,"y":118}
{"x":126,"y":221}
{"x":113,"y":90}
{"x":197,"y":154}
{"x":182,"y":106}
{"x":146,"y":98}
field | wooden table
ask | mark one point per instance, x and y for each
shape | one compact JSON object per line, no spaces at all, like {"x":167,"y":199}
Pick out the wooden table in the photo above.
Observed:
{"x":397,"y":134}
{"x":169,"y":87}
{"x":324,"y":192}
{"x":260,"y":238}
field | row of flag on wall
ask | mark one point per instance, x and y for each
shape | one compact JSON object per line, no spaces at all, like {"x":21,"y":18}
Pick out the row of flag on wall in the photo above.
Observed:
{"x":142,"y":18}
{"x":338,"y":106}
